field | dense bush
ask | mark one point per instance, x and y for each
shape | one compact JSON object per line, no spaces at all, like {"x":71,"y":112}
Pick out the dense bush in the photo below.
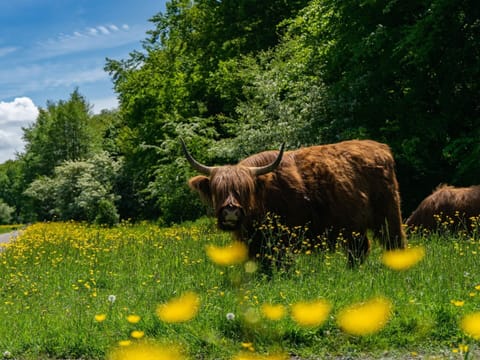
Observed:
{"x":6,"y":213}
{"x":79,"y":190}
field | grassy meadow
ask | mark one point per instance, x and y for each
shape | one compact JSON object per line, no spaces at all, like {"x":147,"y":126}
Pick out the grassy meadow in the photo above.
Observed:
{"x":140,"y":291}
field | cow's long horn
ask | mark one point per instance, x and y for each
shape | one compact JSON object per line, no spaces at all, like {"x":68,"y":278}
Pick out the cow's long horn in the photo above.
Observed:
{"x":203,"y":169}
{"x":261,"y":170}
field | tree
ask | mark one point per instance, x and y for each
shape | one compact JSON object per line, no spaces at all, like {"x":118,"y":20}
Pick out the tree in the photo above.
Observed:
{"x":62,"y":132}
{"x":402,"y":73}
{"x":12,"y":185}
{"x":177,"y":84}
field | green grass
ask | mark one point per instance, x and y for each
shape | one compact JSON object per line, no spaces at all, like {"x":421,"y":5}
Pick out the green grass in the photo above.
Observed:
{"x":56,"y":277}
{"x":9,"y":228}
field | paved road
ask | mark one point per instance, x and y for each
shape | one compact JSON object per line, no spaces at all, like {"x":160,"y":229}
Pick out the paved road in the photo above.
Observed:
{"x":6,"y":237}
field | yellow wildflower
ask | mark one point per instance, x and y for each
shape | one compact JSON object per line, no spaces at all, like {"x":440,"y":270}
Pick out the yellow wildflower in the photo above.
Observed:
{"x":181,"y":309}
{"x":365,"y":318}
{"x":100,"y":317}
{"x":312,"y":313}
{"x":125,"y":342}
{"x":470,"y":324}
{"x":273,"y":312}
{"x":146,"y":351}
{"x":137,"y":334}
{"x":403,"y":259}
{"x":235,"y":253}
{"x":133,"y":319}
{"x":457,"y":302}
{"x":248,"y":346}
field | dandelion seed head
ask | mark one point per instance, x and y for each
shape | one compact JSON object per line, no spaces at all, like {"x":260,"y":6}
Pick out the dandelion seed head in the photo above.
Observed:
{"x":230,"y":316}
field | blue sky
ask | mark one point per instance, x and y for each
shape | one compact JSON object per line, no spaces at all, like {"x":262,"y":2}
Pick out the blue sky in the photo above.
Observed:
{"x":50,"y":47}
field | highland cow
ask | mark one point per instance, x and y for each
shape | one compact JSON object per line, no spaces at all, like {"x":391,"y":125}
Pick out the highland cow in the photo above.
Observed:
{"x":337,"y":191}
{"x":448,"y":207}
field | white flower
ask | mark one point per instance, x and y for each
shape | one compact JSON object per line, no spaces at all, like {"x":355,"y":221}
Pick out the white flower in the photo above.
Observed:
{"x":112,"y":298}
{"x":7,"y":354}
{"x":230,"y":316}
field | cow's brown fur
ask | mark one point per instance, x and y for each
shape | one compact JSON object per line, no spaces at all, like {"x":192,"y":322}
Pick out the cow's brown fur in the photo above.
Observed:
{"x":349,"y":188}
{"x":455,"y":206}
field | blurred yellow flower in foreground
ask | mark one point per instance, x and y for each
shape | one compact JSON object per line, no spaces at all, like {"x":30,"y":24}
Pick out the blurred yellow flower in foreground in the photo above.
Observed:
{"x":100,"y":317}
{"x":181,"y":309}
{"x":403,"y":259}
{"x":470,"y":324}
{"x":273,"y":312}
{"x":137,"y":334}
{"x":313,"y":313}
{"x":235,"y":253}
{"x":365,"y":318}
{"x":147,"y":351}
{"x":133,"y":319}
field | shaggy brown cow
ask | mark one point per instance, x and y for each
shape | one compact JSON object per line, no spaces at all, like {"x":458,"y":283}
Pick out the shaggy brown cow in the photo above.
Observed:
{"x":457,"y":206}
{"x":341,"y":189}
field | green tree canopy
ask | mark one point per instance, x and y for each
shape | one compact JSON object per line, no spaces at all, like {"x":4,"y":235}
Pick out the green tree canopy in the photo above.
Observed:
{"x":63,"y":131}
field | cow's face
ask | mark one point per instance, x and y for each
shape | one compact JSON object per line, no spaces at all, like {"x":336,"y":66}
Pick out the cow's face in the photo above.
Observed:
{"x":230,"y":190}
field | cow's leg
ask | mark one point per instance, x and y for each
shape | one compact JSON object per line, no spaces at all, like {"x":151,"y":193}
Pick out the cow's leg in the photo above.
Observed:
{"x":393,"y":235}
{"x":388,"y":222}
{"x":357,"y":247}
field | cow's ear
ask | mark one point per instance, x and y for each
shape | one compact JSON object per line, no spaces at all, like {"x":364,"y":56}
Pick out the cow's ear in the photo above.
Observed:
{"x":201,"y":184}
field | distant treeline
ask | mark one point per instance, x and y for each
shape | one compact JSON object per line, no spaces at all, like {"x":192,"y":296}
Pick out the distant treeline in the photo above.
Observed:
{"x":237,"y":77}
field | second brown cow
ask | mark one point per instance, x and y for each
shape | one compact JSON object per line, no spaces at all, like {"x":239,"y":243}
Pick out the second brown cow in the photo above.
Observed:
{"x":339,"y":190}
{"x":448,"y":206}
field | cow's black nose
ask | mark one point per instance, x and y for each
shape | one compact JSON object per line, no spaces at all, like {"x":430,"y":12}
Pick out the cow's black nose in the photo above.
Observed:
{"x":230,"y":213}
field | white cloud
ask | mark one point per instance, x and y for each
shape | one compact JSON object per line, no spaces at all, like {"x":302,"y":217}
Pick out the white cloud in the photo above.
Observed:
{"x":92,"y":38}
{"x":103,"y":30}
{"x":14,"y":115}
{"x":36,"y":77}
{"x":20,"y":110}
{"x":7,"y":50}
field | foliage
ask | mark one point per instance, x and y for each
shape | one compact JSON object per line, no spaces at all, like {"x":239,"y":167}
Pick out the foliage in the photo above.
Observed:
{"x":79,"y":190}
{"x":62,"y":132}
{"x":179,"y":82}
{"x":6,"y":213}
{"x":88,"y":289}
{"x":391,"y":77}
{"x":237,"y":77}
{"x":283,"y":103}
{"x":12,"y":185}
